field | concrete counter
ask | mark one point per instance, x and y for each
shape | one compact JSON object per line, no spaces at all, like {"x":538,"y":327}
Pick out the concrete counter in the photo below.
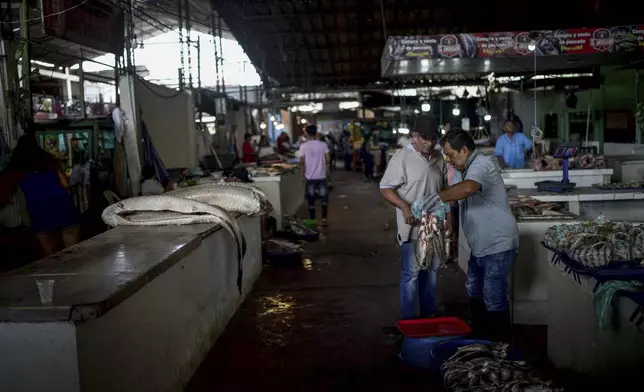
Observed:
{"x":574,"y":340}
{"x":589,"y":202}
{"x":134,"y":309}
{"x":525,"y":178}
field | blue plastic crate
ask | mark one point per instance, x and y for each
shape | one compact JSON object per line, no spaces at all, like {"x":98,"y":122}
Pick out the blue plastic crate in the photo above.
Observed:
{"x":417,"y":352}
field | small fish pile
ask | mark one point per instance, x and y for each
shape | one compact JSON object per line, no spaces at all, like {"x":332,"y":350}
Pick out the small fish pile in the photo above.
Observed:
{"x":485,"y":367}
{"x":433,"y":238}
{"x":527,"y":206}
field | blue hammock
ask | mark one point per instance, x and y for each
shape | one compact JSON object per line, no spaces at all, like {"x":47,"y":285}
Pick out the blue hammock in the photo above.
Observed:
{"x":151,"y":156}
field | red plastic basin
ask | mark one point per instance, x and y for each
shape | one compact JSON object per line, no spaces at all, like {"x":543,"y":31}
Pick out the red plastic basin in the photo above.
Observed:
{"x":432,"y":327}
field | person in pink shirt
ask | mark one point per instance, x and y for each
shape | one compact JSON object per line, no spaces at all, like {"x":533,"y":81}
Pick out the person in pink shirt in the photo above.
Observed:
{"x":314,"y":159}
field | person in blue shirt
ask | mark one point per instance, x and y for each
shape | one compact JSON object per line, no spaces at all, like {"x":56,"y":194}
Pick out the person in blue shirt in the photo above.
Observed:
{"x":511,"y":147}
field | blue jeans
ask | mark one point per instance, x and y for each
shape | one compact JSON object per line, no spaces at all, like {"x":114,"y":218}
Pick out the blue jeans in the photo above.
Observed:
{"x":487,"y":277}
{"x":314,"y":188}
{"x":368,"y":165}
{"x":417,"y":285}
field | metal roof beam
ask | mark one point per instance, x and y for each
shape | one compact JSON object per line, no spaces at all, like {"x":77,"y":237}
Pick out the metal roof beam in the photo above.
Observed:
{"x":301,"y":49}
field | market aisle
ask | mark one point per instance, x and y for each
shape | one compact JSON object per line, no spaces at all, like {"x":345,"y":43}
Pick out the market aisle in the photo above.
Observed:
{"x":319,"y":328}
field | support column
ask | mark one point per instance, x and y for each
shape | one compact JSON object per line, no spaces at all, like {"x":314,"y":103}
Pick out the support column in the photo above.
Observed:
{"x":25,"y":74}
{"x":81,"y":87}
{"x":638,"y":123}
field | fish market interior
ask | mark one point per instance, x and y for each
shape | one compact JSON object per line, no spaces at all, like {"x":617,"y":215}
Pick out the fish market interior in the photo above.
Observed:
{"x":321,"y":195}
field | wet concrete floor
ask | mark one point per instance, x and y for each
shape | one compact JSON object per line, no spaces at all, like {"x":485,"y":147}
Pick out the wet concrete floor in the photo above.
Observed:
{"x":320,"y":327}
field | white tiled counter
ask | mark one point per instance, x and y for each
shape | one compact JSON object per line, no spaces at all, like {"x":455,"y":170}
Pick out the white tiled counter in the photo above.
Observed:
{"x":590,"y":202}
{"x":525,"y":178}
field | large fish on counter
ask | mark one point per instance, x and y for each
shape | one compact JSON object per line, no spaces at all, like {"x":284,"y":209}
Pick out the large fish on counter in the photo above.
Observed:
{"x":172,"y":210}
{"x":433,"y":238}
{"x":232,"y":198}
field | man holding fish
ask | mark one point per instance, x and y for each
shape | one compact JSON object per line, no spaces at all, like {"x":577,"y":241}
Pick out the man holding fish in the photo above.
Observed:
{"x":490,"y":229}
{"x":415,"y":171}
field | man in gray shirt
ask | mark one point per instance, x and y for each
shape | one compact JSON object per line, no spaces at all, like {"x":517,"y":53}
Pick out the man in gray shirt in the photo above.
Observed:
{"x":491,"y":232}
{"x":415,"y":171}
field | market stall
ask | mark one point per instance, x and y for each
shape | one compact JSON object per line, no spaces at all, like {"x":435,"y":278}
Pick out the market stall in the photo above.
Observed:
{"x":588,"y":202}
{"x":284,"y":189}
{"x":596,"y":294}
{"x":135,"y":308}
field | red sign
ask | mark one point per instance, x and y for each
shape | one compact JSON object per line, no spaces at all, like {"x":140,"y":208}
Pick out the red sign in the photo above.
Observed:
{"x":519,"y":43}
{"x":97,"y":24}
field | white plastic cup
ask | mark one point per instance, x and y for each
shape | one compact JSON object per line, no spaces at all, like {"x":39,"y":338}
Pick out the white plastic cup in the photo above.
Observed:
{"x":46,"y":291}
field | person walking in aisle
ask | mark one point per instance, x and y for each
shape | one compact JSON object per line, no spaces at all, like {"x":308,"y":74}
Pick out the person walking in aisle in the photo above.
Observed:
{"x":368,"y":148}
{"x":314,"y":159}
{"x":490,"y":229}
{"x":415,"y":171}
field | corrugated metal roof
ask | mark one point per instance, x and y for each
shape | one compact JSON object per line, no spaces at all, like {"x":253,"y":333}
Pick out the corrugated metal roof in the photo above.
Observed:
{"x":315,"y":43}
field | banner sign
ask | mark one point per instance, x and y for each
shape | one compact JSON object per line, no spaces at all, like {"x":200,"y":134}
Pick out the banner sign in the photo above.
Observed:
{"x":333,"y":127}
{"x":97,"y":24}
{"x":621,"y":39}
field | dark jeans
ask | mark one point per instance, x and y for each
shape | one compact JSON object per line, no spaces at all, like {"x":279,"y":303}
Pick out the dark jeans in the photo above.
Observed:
{"x":487,"y":277}
{"x":347,"y":161}
{"x":313,"y":189}
{"x":368,"y":165}
{"x":417,"y":285}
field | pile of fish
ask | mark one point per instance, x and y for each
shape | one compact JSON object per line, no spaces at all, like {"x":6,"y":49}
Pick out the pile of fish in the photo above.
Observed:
{"x":614,"y":186}
{"x":434,"y":238}
{"x":485,"y":367}
{"x":527,"y":206}
{"x":211,"y":203}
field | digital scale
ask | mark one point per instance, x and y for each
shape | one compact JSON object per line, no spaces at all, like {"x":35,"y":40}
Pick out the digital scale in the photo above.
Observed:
{"x":563,"y":152}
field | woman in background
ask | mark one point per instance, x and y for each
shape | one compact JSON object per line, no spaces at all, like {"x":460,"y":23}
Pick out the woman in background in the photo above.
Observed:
{"x":248,"y":151}
{"x":52,"y":212}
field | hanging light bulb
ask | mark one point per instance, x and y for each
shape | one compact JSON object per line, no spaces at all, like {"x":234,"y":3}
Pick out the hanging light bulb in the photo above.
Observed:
{"x":425,"y":107}
{"x":456,"y":111}
{"x":487,"y":117}
{"x":416,"y":111}
{"x":531,"y":46}
{"x":304,"y":121}
{"x":273,"y":118}
{"x":262,"y":125}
